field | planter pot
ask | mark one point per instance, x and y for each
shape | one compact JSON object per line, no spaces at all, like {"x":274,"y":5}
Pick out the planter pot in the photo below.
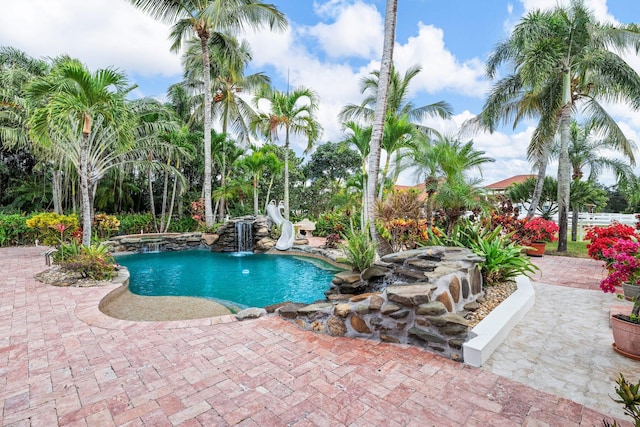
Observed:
{"x":626,"y":337}
{"x":537,"y":249}
{"x":630,"y":291}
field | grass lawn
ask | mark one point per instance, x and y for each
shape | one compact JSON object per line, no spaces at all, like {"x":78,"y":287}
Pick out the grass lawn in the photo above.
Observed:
{"x":574,"y":249}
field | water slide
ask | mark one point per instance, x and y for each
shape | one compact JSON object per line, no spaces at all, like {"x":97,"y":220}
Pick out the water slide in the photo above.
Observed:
{"x":287,"y":235}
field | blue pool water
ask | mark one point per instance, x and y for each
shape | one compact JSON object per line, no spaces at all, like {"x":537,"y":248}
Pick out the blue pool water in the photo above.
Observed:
{"x":238,"y":279}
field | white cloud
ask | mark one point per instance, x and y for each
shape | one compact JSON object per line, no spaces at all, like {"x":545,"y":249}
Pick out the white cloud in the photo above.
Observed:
{"x":441,"y":70}
{"x":598,"y":7}
{"x":104,"y":33}
{"x":357,"y":32}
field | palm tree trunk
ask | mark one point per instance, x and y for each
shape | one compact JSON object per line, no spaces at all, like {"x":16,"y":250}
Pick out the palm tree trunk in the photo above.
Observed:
{"x":208,"y":209}
{"x":56,"y":189}
{"x":537,"y":192}
{"x":255,"y":196}
{"x":391,"y":12}
{"x":266,"y":202}
{"x":152,"y":204}
{"x":564,"y":164}
{"x":574,"y":223}
{"x":173,"y":200}
{"x":286,"y":175}
{"x":165,"y":189}
{"x":84,"y":190}
{"x":383,"y":179}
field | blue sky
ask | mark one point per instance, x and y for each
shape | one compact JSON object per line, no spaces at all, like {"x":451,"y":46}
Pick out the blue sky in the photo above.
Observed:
{"x":329,"y":46}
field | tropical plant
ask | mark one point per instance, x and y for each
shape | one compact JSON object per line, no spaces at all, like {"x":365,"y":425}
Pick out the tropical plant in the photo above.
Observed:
{"x":92,"y":262}
{"x":208,"y":19}
{"x":294,"y":111}
{"x":564,"y":62}
{"x":535,"y":230}
{"x":359,"y":249}
{"x":602,"y":238}
{"x":629,"y":397}
{"x":47,"y":232}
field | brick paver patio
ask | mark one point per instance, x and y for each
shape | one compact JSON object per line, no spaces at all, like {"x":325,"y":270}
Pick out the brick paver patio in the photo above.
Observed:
{"x":63,"y":362}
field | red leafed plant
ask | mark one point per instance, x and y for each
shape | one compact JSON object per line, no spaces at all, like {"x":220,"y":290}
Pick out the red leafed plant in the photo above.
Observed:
{"x":604,"y":237}
{"x":537,"y":230}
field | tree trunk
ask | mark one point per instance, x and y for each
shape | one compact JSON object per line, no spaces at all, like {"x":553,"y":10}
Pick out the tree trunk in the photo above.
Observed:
{"x":542,"y":172}
{"x":383,"y":178}
{"x":574,"y":223}
{"x":56,"y":189}
{"x":84,"y":190}
{"x":286,"y":174}
{"x":266,"y":202}
{"x":380,"y":112}
{"x":206,"y":186}
{"x":564,"y":164}
{"x":255,"y":195}
{"x":173,"y":200}
{"x":165,"y":189}
{"x":152,"y":203}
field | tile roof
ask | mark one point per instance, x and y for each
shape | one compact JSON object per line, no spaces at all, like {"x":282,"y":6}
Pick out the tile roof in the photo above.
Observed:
{"x":501,"y":185}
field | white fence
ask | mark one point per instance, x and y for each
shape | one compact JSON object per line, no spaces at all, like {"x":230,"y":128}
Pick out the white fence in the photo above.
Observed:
{"x":586,"y":219}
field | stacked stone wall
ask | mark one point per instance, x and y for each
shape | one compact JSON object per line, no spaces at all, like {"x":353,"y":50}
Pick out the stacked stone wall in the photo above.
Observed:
{"x":422,"y":299}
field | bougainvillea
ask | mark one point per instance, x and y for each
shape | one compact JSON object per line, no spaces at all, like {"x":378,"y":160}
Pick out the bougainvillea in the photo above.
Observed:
{"x":604,"y":237}
{"x":624,"y":266}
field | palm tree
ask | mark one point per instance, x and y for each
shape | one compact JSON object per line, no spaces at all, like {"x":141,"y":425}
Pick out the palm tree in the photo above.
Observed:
{"x":444,"y":164}
{"x":360,"y":137}
{"x":398,"y":134}
{"x":72,"y":91}
{"x":565,"y":62}
{"x":295,"y":112}
{"x":207,"y":19}
{"x":255,"y":164}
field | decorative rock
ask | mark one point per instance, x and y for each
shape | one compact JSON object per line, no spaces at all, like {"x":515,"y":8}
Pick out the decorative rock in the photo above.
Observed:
{"x":362,"y":309}
{"x":265,"y":244}
{"x":251,"y":313}
{"x":210,"y":239}
{"x":273,"y":307}
{"x":425,"y":335}
{"x":465,"y":288}
{"x":342,"y":310}
{"x":389,"y":338}
{"x":471,"y":306}
{"x":390,"y":308}
{"x":433,"y":252}
{"x":445,"y":299}
{"x":410,"y":295}
{"x":317,"y":326}
{"x":426,"y":265}
{"x":348,"y":277}
{"x":476,"y":281}
{"x":300,"y":323}
{"x":454,"y":289}
{"x":410,"y":273}
{"x":435,"y":308}
{"x":339,"y":297}
{"x":375,"y":303}
{"x":449,"y":318}
{"x":351,"y":288}
{"x":289,"y":311}
{"x":361,"y":297}
{"x":374,"y":272}
{"x":456,"y":343}
{"x":359,"y":325}
{"x":399,"y":314}
{"x":336,"y":326}
{"x":314,"y":308}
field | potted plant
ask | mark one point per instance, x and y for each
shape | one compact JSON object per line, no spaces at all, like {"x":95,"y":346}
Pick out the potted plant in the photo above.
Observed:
{"x":536,"y":233}
{"x":624,"y":269}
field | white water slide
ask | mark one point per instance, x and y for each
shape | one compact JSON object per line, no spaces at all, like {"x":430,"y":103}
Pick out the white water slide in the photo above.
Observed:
{"x":286,"y":237}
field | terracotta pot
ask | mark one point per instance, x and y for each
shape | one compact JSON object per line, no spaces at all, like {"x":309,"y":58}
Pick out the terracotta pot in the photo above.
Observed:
{"x":630,"y":291}
{"x":537,"y":248}
{"x":626,"y":337}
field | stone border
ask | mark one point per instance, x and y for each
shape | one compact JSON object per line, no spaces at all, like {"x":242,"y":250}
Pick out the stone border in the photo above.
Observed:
{"x":494,"y":328}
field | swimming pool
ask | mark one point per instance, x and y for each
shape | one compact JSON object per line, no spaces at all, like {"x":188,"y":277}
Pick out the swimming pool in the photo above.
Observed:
{"x":237,"y":280}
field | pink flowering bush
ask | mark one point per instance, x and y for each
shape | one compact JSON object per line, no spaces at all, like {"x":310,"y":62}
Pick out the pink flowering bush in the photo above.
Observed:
{"x":536,"y":230}
{"x":624,"y":266}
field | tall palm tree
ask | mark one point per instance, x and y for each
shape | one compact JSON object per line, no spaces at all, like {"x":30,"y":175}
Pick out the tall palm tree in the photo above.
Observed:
{"x":379,"y":115}
{"x":565,"y":62}
{"x":259,"y":160}
{"x":207,"y":19}
{"x":72,"y":91}
{"x":295,"y":112}
{"x":398,"y":134}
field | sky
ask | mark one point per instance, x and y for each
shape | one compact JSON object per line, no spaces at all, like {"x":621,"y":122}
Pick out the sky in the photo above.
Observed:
{"x":329,"y":46}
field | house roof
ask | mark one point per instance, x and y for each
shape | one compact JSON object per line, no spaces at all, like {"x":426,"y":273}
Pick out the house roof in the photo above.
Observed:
{"x":502,"y":185}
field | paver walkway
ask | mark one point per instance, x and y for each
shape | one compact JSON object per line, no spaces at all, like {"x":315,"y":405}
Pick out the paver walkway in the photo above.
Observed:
{"x":63,"y":362}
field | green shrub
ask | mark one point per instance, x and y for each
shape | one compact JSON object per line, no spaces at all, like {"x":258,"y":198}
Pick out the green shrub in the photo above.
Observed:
{"x":67,"y":251}
{"x":134,"y":223}
{"x":183,"y":225}
{"x":359,"y":250}
{"x":335,"y":222}
{"x":105,"y":226}
{"x":630,"y":398}
{"x":14,"y":230}
{"x":52,"y":229}
{"x":504,"y":259}
{"x":92,"y":262}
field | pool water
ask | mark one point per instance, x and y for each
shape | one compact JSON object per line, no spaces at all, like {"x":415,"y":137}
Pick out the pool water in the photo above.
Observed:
{"x":236,"y":279}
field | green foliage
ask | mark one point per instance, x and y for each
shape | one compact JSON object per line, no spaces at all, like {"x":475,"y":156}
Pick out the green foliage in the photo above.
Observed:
{"x":183,"y":225}
{"x":46,"y":227}
{"x":504,"y":259}
{"x":334,"y":223}
{"x":92,"y":262}
{"x":629,"y":397}
{"x":134,"y":223}
{"x":359,"y":250}
{"x":67,"y":251}
{"x":105,"y":225}
{"x":14,"y":230}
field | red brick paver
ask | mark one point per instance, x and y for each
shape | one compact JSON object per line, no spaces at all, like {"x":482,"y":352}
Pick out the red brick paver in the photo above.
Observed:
{"x":583,"y":273}
{"x":62,"y":362}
